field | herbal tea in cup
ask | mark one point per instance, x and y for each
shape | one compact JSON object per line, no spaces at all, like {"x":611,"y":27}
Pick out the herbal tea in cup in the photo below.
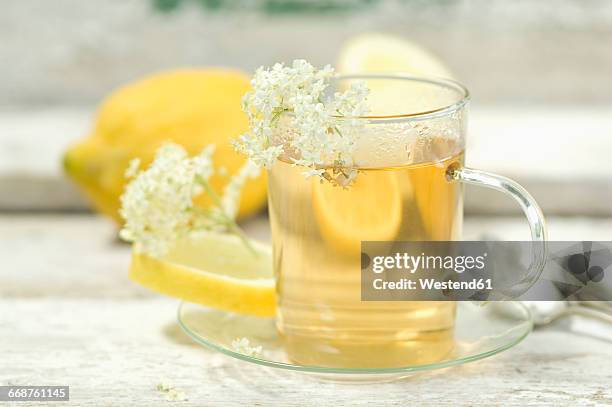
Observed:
{"x":352,"y":159}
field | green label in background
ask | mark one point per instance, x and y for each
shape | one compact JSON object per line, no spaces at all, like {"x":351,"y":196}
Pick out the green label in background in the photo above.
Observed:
{"x":268,"y":6}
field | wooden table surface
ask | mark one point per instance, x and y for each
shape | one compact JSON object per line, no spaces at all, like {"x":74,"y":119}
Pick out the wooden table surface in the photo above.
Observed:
{"x":70,"y":316}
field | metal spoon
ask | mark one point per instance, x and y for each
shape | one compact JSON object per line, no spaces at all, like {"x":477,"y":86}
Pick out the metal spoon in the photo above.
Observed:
{"x":545,"y":312}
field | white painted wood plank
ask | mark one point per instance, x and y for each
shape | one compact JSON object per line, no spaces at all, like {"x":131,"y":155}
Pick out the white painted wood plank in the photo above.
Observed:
{"x":570,"y":143}
{"x":561,"y":155}
{"x":78,"y":256}
{"x":506,"y":51}
{"x":114,"y":352}
{"x":73,"y":256}
{"x":555,"y":152}
{"x":32,"y":143}
{"x":69,"y":315}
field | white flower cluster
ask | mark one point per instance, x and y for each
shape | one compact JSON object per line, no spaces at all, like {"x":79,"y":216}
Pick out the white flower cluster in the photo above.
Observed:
{"x":172,"y":393}
{"x":243,"y":345}
{"x":158,"y":206}
{"x":231,"y":193}
{"x":325,"y":126}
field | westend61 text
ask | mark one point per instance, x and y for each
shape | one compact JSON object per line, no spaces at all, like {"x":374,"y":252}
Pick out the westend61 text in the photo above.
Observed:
{"x":432,"y":284}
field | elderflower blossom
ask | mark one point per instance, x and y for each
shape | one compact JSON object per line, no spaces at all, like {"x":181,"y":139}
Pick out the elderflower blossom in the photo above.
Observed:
{"x":231,"y":192}
{"x":172,"y":393}
{"x":325,"y":127}
{"x":133,"y":168}
{"x":243,"y":345}
{"x":158,"y":206}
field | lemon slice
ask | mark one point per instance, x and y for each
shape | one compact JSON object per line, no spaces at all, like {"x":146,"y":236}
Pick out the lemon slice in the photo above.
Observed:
{"x":370,"y":209}
{"x":380,"y":53}
{"x":213,"y":270}
{"x":375,"y":52}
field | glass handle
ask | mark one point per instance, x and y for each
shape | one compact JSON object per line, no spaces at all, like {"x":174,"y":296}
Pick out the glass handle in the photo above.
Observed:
{"x":530,"y":207}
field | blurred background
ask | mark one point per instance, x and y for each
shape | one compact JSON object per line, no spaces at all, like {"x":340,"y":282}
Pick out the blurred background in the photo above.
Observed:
{"x":540,"y":75}
{"x":70,"y":52}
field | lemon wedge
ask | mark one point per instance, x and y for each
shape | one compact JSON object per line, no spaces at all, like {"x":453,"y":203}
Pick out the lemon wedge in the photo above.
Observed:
{"x":380,"y":53}
{"x":214,"y":270}
{"x":370,"y":209}
{"x":374,"y":52}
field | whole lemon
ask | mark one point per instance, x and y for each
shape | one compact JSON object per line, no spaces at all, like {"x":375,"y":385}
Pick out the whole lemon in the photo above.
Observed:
{"x":191,"y":107}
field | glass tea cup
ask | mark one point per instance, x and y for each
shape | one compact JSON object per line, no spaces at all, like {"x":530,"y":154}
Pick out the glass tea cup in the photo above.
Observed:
{"x":410,"y":158}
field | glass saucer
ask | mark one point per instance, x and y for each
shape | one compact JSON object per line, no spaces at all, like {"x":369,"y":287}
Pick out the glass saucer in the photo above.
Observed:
{"x":480,"y":331}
